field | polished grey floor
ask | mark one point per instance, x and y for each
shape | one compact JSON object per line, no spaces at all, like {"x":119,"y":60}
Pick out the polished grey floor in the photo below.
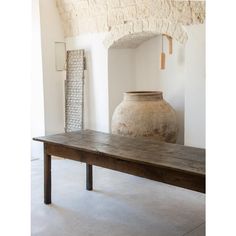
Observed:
{"x":120,"y":205}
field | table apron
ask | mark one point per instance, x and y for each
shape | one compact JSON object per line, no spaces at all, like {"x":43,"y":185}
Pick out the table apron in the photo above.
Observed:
{"x":166,"y":175}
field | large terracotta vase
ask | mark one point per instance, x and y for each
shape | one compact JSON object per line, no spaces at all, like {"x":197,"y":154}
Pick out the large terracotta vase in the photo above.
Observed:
{"x":146,"y":114}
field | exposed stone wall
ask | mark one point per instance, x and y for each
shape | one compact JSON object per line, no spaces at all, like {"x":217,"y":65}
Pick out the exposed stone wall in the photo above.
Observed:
{"x":132,"y":34}
{"x":86,"y":16}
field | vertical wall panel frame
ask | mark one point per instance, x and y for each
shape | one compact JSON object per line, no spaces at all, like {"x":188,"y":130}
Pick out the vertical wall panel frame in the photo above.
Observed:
{"x":60,"y":56}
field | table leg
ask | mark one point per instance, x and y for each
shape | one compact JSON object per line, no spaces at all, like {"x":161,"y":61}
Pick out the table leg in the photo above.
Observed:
{"x":89,"y":177}
{"x":47,"y":178}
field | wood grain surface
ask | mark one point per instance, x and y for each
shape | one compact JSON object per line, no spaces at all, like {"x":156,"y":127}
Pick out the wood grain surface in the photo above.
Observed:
{"x":174,"y":164}
{"x":139,"y":150}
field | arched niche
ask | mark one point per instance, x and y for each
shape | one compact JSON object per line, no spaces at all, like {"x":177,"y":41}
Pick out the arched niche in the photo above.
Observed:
{"x":133,"y":64}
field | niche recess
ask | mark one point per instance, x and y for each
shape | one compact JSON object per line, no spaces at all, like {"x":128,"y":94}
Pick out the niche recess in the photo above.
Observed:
{"x":134,"y":64}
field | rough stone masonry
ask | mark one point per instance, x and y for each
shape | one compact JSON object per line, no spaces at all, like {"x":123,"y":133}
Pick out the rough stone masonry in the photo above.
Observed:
{"x":128,"y":17}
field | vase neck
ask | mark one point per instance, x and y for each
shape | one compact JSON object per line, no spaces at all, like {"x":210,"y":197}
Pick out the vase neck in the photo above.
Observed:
{"x":143,"y":96}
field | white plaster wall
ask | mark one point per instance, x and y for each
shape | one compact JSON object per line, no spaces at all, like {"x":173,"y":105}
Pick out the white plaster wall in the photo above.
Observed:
{"x":170,"y":81}
{"x":138,"y":69}
{"x":195,"y":87}
{"x":121,"y":71}
{"x":178,"y":91}
{"x":53,"y":81}
{"x":182,"y":82}
{"x":96,"y":79}
{"x":112,"y":72}
{"x":37,"y":104}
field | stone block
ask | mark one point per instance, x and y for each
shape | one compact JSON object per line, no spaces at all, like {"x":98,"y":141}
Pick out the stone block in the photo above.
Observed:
{"x":187,"y":17}
{"x":152,"y":24}
{"x":83,"y":4}
{"x":125,"y":3}
{"x":145,"y":25}
{"x":102,"y":2}
{"x":159,"y":25}
{"x":92,"y":3}
{"x":171,"y":29}
{"x":198,"y":11}
{"x":116,"y":34}
{"x":98,"y":10}
{"x":128,"y":28}
{"x":164,"y":9}
{"x":73,"y":13}
{"x":102,"y":25}
{"x":68,"y":7}
{"x":138,"y":26}
{"x":113,"y":3}
{"x":130,"y":13}
{"x":67,"y":16}
{"x":83,"y":10}
{"x":115,"y":17}
{"x":143,"y":11}
{"x":139,"y":2}
{"x":165,"y":26}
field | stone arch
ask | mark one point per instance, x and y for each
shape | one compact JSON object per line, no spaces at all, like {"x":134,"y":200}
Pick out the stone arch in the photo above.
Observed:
{"x":132,"y":34}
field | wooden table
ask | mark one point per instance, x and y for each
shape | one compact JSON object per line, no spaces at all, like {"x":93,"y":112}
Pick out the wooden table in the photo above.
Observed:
{"x":168,"y":163}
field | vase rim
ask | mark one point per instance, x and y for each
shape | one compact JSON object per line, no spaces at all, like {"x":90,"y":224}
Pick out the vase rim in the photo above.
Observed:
{"x":142,"y":95}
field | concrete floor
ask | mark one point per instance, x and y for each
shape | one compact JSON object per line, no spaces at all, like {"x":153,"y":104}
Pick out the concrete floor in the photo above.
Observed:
{"x":120,"y":205}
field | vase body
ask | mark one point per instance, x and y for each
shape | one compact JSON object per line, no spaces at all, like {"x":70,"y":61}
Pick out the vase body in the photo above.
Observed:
{"x":145,"y":114}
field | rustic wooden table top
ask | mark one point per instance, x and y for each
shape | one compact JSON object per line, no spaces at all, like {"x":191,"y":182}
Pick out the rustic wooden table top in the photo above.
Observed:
{"x":141,"y":150}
